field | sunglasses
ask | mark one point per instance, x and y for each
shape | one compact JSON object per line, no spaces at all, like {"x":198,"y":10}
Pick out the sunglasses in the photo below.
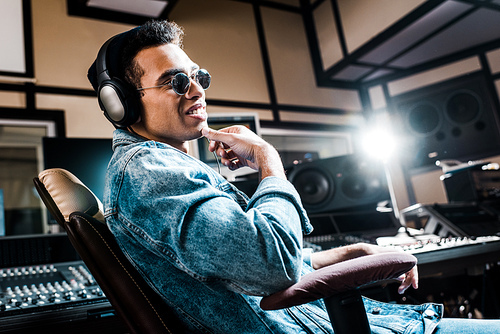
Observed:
{"x":181,"y":82}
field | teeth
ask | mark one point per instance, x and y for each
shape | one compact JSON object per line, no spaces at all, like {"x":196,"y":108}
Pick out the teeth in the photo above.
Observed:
{"x":196,"y":111}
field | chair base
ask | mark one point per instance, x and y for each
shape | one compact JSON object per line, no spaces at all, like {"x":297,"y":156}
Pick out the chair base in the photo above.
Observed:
{"x":347,"y":313}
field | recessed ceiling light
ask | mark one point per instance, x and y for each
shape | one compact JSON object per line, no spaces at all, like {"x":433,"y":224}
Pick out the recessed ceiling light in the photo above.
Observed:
{"x":149,"y":8}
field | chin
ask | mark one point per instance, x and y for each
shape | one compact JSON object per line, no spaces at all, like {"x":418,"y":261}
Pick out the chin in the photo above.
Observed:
{"x":196,"y":137}
{"x":197,"y":134}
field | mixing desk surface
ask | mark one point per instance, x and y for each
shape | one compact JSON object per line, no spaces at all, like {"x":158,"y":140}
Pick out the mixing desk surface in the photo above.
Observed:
{"x":26,"y":288}
{"x":437,"y":249}
{"x":64,"y":291}
{"x":428,"y":249}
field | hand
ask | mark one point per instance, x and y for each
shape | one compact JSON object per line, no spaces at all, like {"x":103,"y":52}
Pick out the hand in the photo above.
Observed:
{"x":408,"y":279}
{"x":238,"y":147}
{"x":235,"y":145}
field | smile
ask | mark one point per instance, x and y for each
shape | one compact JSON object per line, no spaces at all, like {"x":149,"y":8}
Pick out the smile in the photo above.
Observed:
{"x":197,"y":110}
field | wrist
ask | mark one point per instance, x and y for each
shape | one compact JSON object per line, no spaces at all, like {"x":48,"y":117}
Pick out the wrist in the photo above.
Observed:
{"x":358,"y":250}
{"x":269,"y":161}
{"x":338,"y":254}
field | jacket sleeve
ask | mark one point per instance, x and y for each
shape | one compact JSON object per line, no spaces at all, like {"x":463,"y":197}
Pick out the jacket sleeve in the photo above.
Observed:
{"x":185,"y":219}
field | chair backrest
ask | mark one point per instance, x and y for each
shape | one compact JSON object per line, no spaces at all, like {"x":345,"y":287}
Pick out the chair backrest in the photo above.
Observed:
{"x":79,"y":211}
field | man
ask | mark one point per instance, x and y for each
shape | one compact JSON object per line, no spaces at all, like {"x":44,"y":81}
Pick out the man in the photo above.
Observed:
{"x":207,"y":249}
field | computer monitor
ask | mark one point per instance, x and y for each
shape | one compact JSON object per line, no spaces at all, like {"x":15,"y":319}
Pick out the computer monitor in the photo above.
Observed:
{"x":86,"y":158}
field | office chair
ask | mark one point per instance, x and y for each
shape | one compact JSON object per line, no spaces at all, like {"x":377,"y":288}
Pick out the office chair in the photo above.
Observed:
{"x":77,"y":209}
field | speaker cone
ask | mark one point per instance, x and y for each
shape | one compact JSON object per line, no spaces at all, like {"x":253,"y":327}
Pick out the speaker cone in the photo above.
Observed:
{"x":463,"y":107}
{"x":313,"y":186}
{"x":424,"y":119}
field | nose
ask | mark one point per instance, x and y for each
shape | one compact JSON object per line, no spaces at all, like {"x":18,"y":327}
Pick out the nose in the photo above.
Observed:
{"x":194,"y":90}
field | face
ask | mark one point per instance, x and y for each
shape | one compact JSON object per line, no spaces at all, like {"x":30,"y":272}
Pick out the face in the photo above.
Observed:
{"x":167,"y":116}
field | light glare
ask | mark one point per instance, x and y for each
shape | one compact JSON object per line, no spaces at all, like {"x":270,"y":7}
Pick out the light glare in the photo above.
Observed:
{"x":379,"y":144}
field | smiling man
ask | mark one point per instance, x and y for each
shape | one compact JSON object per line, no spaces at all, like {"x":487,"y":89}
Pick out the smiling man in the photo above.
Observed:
{"x":206,"y":248}
{"x":167,"y":116}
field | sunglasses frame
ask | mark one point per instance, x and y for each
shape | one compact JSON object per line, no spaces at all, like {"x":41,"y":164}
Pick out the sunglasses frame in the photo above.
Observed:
{"x":184,"y":75}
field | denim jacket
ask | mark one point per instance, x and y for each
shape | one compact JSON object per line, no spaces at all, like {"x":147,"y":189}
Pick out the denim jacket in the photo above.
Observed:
{"x":210,"y":251}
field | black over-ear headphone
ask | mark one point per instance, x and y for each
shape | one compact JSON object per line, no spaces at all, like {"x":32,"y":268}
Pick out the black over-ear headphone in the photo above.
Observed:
{"x":118,"y":99}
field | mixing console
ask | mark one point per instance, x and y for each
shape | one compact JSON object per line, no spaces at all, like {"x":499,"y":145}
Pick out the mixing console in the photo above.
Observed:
{"x":435,"y":254}
{"x":431,"y":244}
{"x":412,"y":244}
{"x":53,"y":292}
{"x":25,"y":288}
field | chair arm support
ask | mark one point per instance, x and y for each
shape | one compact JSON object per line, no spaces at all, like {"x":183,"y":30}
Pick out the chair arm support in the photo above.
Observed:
{"x":341,"y":277}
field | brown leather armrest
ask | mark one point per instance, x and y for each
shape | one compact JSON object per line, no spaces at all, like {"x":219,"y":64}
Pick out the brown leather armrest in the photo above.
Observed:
{"x":341,"y":277}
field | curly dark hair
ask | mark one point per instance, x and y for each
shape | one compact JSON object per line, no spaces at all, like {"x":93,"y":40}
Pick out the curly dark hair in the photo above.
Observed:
{"x":151,"y":34}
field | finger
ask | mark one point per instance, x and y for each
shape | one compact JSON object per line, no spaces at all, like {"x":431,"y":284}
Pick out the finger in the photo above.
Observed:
{"x":415,"y":277}
{"x":230,"y":155}
{"x":232,"y":164}
{"x":404,"y":285}
{"x":410,"y":279}
{"x":212,"y":145}
{"x":224,"y":152}
{"x":219,"y":149}
{"x":206,"y":132}
{"x":214,"y":135}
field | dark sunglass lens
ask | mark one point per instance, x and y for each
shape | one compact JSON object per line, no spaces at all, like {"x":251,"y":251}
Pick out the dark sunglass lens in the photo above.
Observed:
{"x":203,"y":78}
{"x":180,"y":83}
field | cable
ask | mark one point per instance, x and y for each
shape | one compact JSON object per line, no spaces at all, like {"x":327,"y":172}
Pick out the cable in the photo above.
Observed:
{"x":215,"y":156}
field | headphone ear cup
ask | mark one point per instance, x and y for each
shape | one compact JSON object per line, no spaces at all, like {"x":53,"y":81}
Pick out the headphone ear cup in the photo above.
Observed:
{"x":119,"y":103}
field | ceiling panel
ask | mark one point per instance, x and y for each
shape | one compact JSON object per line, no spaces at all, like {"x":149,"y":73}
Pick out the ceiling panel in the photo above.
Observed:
{"x":425,"y":26}
{"x":436,"y":33}
{"x":480,"y":27}
{"x":352,"y":72}
{"x":377,"y":74}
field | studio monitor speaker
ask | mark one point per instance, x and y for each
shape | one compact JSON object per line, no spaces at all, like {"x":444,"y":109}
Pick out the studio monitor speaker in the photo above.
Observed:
{"x":455,"y":119}
{"x":339,"y":183}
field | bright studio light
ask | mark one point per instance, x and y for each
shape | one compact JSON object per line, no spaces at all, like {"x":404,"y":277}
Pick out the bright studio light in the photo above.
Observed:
{"x":379,"y":143}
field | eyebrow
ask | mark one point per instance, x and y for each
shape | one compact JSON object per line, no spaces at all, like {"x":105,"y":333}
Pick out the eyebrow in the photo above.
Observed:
{"x":171,"y":72}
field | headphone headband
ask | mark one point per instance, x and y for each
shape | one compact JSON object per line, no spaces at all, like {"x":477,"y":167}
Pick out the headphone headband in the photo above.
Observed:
{"x":100,"y":64}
